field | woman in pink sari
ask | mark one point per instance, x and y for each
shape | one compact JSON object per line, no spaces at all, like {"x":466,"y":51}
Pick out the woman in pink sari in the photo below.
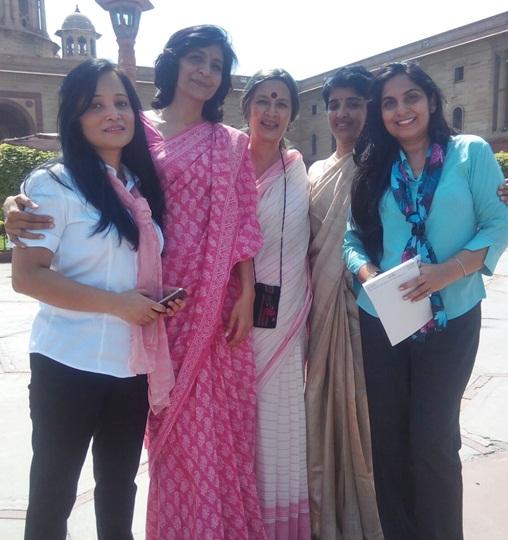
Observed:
{"x":202,"y":446}
{"x":269,"y":103}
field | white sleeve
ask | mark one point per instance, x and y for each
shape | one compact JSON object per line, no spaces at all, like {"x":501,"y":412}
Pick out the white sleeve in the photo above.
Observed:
{"x":52,"y":200}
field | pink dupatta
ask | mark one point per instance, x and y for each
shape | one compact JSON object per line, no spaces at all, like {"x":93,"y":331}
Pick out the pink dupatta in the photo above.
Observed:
{"x":149,"y":344}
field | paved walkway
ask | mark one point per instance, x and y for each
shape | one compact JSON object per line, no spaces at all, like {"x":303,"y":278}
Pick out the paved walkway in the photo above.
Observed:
{"x":484,"y":424}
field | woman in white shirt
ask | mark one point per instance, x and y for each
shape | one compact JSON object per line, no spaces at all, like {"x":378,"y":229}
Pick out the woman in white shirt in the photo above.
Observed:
{"x":99,"y":330}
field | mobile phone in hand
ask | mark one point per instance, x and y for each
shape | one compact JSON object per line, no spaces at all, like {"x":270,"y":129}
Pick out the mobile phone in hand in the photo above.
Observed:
{"x":177,"y":294}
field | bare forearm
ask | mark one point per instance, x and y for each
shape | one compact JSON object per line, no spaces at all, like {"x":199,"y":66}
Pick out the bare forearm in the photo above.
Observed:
{"x":435,"y":277}
{"x":469,"y":261}
{"x":462,"y":264}
{"x":55,"y":289}
{"x":245,"y":273}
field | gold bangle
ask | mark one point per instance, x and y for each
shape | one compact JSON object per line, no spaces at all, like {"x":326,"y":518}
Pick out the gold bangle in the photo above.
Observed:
{"x":462,"y":267}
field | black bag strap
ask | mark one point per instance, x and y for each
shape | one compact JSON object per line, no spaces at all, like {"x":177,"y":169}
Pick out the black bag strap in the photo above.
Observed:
{"x":283,"y":222}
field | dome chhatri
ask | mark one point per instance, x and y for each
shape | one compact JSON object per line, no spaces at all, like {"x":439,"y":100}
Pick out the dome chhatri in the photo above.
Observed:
{"x":78,"y":36}
{"x":77,"y":21}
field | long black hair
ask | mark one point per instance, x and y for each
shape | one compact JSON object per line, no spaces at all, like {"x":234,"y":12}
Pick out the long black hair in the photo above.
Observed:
{"x":167,"y":66}
{"x":87,"y":168}
{"x":376,"y":150}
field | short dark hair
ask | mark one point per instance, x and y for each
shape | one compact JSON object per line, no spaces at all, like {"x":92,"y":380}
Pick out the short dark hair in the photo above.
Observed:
{"x":268,"y":75}
{"x":167,"y":66}
{"x":87,"y":168}
{"x":355,"y":77}
{"x":376,"y":150}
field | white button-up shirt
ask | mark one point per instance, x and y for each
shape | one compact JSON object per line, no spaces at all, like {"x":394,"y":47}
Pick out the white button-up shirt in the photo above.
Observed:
{"x":95,"y":342}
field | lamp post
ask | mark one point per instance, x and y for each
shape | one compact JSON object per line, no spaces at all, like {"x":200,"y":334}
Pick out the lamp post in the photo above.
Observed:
{"x":125,"y":16}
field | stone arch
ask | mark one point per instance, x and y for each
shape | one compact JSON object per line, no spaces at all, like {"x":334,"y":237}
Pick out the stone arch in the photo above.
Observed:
{"x":458,"y":119}
{"x":69,"y":46}
{"x":82,"y":46}
{"x":14,"y":120}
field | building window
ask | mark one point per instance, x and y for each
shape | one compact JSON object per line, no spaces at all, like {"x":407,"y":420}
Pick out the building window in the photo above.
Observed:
{"x":334,"y":144}
{"x":314,"y":110}
{"x":69,"y":46}
{"x":459,"y":74}
{"x":40,"y":15}
{"x":458,"y":119}
{"x":82,"y":46}
{"x":314,"y":145}
{"x":24,"y":13}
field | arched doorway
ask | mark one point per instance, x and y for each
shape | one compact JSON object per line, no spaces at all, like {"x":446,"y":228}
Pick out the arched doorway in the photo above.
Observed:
{"x":14,"y":121}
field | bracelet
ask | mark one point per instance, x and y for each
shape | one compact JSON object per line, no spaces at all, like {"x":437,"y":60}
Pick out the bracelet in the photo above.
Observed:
{"x":374,"y":274}
{"x":462,"y":267}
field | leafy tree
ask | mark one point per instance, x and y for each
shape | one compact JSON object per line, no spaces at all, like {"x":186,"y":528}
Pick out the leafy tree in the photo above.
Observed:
{"x":15,"y":163}
{"x":502,"y":159}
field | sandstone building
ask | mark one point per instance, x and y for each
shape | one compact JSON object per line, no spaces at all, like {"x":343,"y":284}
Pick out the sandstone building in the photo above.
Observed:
{"x":469,"y":63}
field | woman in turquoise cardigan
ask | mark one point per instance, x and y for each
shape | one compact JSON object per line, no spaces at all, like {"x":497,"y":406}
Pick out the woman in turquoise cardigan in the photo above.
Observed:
{"x":421,"y":190}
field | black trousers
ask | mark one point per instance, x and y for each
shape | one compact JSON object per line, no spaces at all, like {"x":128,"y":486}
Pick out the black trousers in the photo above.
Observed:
{"x":69,"y":408}
{"x":414,"y":392}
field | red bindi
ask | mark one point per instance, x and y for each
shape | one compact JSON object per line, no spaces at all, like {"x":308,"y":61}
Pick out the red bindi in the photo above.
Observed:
{"x":273,"y":95}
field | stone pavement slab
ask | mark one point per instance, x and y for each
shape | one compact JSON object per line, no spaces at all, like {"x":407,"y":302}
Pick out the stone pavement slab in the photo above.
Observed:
{"x":486,"y":498}
{"x":484,"y":425}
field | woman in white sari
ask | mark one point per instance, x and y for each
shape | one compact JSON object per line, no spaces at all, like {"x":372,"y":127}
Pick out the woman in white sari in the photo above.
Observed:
{"x":270,"y":103}
{"x":341,"y":485}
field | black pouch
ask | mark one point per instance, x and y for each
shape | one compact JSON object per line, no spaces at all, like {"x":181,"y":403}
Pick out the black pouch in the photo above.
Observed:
{"x":266,"y":305}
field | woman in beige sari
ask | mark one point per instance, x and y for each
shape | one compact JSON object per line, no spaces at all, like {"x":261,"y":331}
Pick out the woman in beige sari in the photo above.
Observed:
{"x":341,"y":487}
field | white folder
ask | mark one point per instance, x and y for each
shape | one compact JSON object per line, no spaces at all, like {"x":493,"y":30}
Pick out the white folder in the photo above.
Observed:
{"x":400,"y":318}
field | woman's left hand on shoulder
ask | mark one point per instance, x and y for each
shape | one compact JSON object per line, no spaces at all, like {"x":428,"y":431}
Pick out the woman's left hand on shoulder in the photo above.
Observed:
{"x":432,"y":278}
{"x":240,"y":321}
{"x":502,"y":191}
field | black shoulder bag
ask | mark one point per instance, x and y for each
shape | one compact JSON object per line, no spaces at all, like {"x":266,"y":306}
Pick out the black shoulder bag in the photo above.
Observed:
{"x":267,"y":297}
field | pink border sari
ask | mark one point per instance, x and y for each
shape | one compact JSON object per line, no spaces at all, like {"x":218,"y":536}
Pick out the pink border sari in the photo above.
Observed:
{"x":202,"y":446}
{"x":280,"y":352}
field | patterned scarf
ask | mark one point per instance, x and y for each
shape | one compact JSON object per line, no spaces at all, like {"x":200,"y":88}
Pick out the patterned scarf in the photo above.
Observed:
{"x":416,"y":212}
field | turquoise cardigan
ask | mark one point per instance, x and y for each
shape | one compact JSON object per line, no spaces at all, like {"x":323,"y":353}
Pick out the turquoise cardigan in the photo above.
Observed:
{"x":466,"y":213}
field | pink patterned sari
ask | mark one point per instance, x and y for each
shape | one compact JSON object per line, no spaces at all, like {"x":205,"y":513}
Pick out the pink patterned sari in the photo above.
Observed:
{"x":202,"y":446}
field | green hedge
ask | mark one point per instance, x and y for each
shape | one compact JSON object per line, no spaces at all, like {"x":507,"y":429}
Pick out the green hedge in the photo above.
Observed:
{"x":15,"y":163}
{"x":3,"y":238}
{"x":502,"y":158}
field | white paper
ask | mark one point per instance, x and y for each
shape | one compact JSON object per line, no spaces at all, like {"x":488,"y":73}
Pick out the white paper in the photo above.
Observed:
{"x":400,"y":318}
